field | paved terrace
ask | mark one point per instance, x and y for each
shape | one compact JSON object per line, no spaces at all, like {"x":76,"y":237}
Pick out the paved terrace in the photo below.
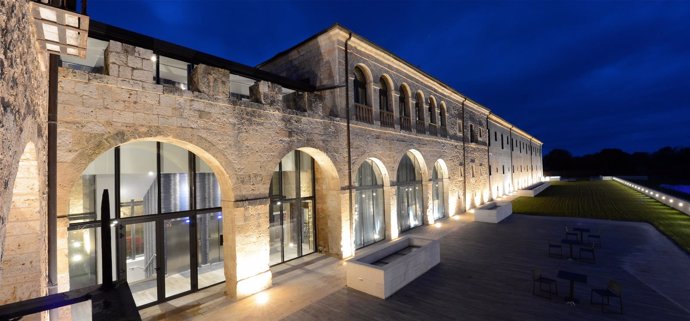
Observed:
{"x":485,"y":274}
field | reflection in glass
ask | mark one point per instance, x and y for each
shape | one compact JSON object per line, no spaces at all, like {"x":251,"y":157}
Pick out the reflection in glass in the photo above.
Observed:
{"x":207,"y":189}
{"x":174,"y":179}
{"x":410,"y":199}
{"x":138,"y":185}
{"x":177,"y":278}
{"x":369,"y":215}
{"x":140,"y":249}
{"x":438,"y":200}
{"x":173,"y":72}
{"x":291,"y":212}
{"x":85,"y":196}
{"x":140,"y":195}
{"x":209,"y":233}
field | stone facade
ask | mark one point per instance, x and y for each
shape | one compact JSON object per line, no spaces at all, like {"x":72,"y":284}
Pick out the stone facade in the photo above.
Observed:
{"x":244,"y":140}
{"x":23,"y":157}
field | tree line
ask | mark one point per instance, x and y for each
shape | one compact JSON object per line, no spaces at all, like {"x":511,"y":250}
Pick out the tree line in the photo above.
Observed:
{"x":667,"y":163}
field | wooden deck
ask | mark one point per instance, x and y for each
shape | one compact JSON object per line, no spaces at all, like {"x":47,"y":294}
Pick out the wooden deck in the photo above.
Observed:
{"x":485,"y":274}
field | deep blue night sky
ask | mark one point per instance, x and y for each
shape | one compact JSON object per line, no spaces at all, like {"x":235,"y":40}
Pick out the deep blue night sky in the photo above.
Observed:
{"x":578,"y":75}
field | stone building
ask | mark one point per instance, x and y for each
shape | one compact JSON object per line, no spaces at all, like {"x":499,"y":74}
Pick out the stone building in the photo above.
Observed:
{"x":217,"y":171}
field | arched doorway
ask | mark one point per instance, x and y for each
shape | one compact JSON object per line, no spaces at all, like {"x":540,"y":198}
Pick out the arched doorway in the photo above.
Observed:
{"x":438,"y":199}
{"x":167,"y":221}
{"x":292,"y":222}
{"x":410,"y":194}
{"x":369,"y":223}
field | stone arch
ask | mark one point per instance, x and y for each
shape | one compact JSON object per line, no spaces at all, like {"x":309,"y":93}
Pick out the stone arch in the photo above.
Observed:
{"x":71,"y":170}
{"x":23,"y":259}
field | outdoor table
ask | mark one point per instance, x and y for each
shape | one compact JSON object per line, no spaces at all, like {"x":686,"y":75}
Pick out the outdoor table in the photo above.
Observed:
{"x":580,"y":231}
{"x":570,"y":243}
{"x":572,"y":277}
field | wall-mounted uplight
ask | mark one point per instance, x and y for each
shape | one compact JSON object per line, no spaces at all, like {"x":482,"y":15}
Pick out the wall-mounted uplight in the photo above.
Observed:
{"x":261,"y":298}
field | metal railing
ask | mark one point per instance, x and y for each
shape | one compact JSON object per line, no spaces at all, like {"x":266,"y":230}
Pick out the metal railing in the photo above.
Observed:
{"x":405,"y":123}
{"x":433,"y":129}
{"x":421,"y":127}
{"x":364,"y":113}
{"x":387,"y":119}
{"x":444,"y":131}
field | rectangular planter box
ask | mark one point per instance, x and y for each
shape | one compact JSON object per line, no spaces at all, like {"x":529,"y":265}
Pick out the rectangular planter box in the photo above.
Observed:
{"x":493,"y":212}
{"x":390,"y":268}
{"x":533,"y":190}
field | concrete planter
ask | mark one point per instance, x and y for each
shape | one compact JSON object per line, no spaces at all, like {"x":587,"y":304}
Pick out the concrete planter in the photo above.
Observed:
{"x":493,"y":212}
{"x":390,"y":268}
{"x":533,"y":190}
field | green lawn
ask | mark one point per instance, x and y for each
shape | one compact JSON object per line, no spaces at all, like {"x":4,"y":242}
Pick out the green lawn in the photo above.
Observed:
{"x":606,"y":200}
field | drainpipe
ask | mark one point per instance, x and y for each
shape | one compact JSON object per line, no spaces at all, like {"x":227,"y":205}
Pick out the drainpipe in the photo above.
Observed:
{"x":464,"y":155}
{"x":52,"y":175}
{"x":488,"y":152}
{"x":347,"y":117}
{"x":512,"y":167}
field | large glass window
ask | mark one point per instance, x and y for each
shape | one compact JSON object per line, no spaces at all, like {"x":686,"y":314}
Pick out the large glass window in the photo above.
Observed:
{"x":173,"y":72}
{"x":93,"y":62}
{"x":420,"y":107}
{"x":369,"y":213}
{"x":410,"y":199}
{"x":291,"y":212}
{"x":165,"y":195}
{"x":438,"y":199}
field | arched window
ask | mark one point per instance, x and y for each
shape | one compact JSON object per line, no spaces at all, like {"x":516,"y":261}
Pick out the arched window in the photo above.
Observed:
{"x":385,"y":109}
{"x":383,"y":95}
{"x":369,"y":218}
{"x":410,"y":199}
{"x":403,"y":108}
{"x":291,"y":213}
{"x":360,"y":87}
{"x":432,"y":110}
{"x":161,"y":196}
{"x":419,"y":104}
{"x":442,"y":111}
{"x":437,"y":191}
{"x":419,"y":108}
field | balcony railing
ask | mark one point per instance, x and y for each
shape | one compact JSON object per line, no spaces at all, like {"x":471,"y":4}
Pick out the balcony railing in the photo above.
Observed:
{"x":364,"y":113}
{"x":421,"y":127}
{"x":444,"y":131}
{"x":387,"y":119}
{"x":433,"y":129}
{"x":405,"y":123}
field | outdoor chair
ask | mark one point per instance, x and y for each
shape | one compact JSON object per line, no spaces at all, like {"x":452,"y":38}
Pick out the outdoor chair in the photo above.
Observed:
{"x":613,"y":290}
{"x":570,"y":233}
{"x":538,"y":278}
{"x":589,"y":251}
{"x":595,"y":238}
{"x":552,"y":250}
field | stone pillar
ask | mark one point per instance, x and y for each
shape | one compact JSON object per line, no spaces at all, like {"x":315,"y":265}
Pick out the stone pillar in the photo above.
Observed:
{"x":267,"y":93}
{"x":246,"y":247}
{"x":129,"y":62}
{"x":212,"y":81}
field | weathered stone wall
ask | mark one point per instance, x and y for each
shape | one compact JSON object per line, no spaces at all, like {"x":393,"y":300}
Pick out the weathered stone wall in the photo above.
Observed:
{"x":23,"y":128}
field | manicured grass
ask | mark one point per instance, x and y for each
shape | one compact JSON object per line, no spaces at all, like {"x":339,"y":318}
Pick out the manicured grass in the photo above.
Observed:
{"x":607,"y":200}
